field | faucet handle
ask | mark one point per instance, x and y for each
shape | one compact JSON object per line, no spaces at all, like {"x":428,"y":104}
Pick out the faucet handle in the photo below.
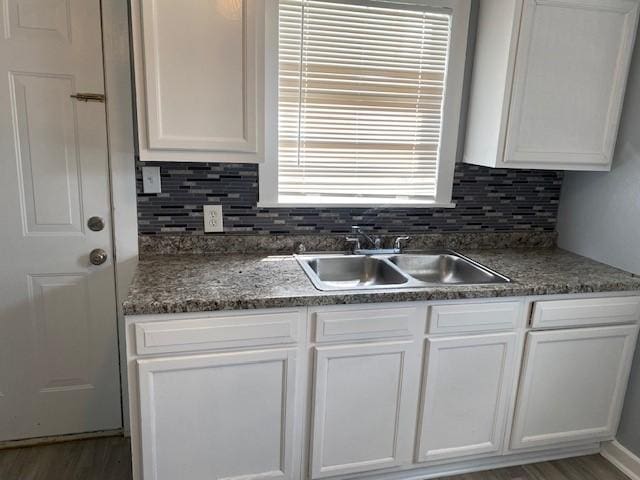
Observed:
{"x":397,"y":244}
{"x":355,"y":241}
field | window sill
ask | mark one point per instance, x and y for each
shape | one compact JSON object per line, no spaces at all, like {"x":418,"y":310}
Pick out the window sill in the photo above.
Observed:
{"x":365,"y":206}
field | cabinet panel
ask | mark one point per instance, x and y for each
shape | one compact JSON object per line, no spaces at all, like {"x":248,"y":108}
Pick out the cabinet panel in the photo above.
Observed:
{"x":470,"y":317}
{"x":465,"y":395}
{"x":218,"y":332}
{"x":362,"y":418}
{"x":548,"y":82}
{"x":572,"y":385}
{"x":358,"y":322}
{"x":585,"y":312}
{"x":200,"y":79}
{"x":223,"y":416}
{"x":570,"y":73}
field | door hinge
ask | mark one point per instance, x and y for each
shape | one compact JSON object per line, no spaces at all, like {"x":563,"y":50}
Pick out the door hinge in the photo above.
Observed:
{"x":90,"y":97}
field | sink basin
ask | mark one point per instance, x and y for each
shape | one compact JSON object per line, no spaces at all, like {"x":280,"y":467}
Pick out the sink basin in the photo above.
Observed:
{"x":347,"y":272}
{"x":445,"y":268}
{"x":411,"y":270}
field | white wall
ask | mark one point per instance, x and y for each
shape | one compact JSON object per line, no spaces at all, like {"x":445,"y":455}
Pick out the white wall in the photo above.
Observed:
{"x":599,"y":218}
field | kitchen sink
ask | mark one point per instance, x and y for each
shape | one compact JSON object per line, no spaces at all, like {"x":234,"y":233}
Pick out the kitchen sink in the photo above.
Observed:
{"x":445,"y":268}
{"x":329,"y":272}
{"x":347,"y":272}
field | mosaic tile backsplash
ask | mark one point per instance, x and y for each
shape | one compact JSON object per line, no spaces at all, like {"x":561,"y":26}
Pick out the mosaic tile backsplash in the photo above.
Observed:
{"x":488,"y":200}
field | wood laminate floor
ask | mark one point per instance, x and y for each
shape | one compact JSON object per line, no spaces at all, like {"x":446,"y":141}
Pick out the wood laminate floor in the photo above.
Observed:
{"x":109,"y":459}
{"x":96,"y":459}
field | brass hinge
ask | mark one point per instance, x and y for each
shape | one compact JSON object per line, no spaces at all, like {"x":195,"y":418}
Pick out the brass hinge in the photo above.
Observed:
{"x":90,"y":97}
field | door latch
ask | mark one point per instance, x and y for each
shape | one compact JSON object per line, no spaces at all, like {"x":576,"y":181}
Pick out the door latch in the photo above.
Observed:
{"x":89,"y":97}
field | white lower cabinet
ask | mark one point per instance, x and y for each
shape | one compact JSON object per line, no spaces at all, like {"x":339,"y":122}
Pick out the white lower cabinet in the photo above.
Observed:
{"x":572,"y":385}
{"x":363,"y":407}
{"x":466,"y":389}
{"x":373,"y":390}
{"x":218,"y":416}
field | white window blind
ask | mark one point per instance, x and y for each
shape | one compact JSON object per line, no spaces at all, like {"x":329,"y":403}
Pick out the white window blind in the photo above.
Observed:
{"x":361,"y":92}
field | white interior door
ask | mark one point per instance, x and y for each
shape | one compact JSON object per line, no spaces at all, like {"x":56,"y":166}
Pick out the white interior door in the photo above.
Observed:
{"x":58,"y":347}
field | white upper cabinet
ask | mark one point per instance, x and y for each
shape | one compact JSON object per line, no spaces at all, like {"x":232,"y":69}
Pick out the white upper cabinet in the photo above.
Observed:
{"x":548,"y":82}
{"x":199,"y":68}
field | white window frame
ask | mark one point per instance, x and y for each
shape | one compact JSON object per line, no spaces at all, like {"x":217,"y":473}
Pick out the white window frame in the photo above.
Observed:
{"x":451,"y":112}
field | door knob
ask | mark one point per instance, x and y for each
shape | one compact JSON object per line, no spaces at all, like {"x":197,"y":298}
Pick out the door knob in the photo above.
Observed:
{"x":98,"y":256}
{"x":95,"y":224}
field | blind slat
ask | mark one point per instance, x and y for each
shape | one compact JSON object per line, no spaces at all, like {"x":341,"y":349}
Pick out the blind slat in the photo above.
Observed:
{"x":360,"y":101}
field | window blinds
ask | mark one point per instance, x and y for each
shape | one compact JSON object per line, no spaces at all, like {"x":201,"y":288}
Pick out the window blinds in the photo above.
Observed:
{"x":361,"y":88}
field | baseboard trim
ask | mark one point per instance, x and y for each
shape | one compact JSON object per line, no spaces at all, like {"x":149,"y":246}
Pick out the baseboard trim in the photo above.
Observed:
{"x":624,"y":460}
{"x":31,"y":442}
{"x":478,"y":464}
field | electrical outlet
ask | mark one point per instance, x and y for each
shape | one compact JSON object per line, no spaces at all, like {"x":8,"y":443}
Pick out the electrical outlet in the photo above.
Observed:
{"x":213,"y":220}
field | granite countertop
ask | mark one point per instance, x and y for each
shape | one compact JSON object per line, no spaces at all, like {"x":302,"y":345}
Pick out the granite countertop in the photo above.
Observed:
{"x":199,"y":283}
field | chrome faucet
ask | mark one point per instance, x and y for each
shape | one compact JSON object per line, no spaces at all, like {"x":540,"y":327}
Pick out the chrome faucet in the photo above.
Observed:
{"x":374,"y":243}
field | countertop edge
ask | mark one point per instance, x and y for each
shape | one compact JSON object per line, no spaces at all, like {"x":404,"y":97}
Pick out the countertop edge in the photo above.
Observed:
{"x":351,"y":298}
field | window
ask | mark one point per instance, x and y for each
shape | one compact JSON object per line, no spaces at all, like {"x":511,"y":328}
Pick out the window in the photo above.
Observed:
{"x":369,"y":95}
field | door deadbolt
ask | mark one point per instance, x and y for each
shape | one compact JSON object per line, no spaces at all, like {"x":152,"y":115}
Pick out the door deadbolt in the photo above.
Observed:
{"x":98,"y":256}
{"x":95,"y":224}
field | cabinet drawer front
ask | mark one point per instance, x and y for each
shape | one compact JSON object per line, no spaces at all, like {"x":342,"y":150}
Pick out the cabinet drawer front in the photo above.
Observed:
{"x":354,"y":324}
{"x":592,"y":311}
{"x":476,"y":317}
{"x":215,"y":333}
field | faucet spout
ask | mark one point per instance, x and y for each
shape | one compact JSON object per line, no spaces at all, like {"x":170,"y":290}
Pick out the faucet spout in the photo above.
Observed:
{"x":374,"y":242}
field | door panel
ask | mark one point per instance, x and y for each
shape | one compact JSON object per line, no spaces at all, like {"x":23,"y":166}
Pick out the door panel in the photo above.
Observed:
{"x":45,"y":124}
{"x":220,"y":416}
{"x":572,"y":385}
{"x":363,"y":418}
{"x":465,"y":395}
{"x":58,"y":360}
{"x":48,"y":18}
{"x":61,"y":305}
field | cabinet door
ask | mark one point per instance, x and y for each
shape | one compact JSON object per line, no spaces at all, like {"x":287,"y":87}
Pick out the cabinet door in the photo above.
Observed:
{"x":200,"y":79}
{"x":465,"y":396}
{"x":363,"y":417}
{"x":224,"y":416}
{"x":571,"y":68}
{"x":573,"y":385}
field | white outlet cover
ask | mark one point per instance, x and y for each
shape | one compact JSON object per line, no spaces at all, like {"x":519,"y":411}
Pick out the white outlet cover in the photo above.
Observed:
{"x":213,"y":220}
{"x":151,"y":182}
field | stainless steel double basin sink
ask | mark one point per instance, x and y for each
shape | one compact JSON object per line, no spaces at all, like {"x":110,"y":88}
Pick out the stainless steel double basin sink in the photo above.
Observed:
{"x":331,"y":272}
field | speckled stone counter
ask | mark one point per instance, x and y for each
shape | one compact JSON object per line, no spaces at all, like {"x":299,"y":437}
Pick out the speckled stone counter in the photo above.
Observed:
{"x":199,"y":283}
